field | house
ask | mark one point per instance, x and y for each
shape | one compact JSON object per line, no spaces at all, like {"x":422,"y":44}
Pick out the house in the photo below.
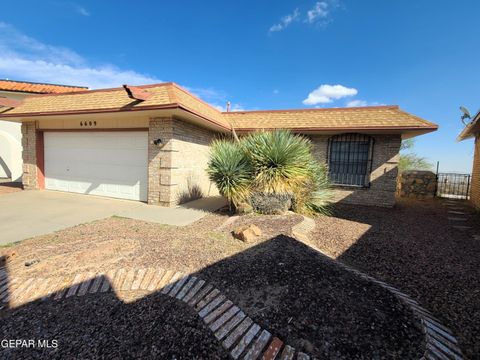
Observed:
{"x":472,"y":130}
{"x":151,"y":143}
{"x":10,"y":133}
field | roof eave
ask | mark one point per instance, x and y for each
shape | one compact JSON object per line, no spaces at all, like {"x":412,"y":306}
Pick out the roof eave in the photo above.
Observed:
{"x":19,"y":116}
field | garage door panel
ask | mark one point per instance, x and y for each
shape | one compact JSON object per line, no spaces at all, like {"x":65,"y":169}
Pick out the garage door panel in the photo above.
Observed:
{"x":112,"y":164}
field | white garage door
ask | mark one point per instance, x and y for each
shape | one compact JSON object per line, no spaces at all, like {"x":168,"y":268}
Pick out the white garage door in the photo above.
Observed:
{"x":112,"y":164}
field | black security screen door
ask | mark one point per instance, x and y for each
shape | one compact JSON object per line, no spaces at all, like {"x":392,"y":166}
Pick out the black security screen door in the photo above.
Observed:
{"x":350,"y":159}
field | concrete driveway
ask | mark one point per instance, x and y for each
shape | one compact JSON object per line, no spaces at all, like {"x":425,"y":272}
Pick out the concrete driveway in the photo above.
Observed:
{"x":27,"y":214}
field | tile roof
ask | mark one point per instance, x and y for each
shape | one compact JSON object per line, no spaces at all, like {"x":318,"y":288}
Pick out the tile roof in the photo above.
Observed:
{"x":37,"y":88}
{"x":170,"y":95}
{"x":370,"y":117}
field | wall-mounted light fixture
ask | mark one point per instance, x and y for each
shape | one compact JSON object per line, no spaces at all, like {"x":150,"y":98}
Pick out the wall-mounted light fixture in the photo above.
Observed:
{"x":157,"y":142}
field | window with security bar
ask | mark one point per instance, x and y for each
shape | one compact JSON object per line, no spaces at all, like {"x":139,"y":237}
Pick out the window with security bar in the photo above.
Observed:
{"x":350,"y":159}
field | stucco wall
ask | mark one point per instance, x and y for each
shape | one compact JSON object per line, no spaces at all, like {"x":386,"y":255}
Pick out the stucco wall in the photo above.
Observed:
{"x":11,"y":164}
{"x":382,"y":178}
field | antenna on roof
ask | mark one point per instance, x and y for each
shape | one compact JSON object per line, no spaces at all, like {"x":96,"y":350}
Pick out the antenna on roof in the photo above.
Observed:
{"x":228,"y":106}
{"x":466,"y":114}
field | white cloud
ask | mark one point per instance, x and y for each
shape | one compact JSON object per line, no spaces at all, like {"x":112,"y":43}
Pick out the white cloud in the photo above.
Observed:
{"x":356,"y":103}
{"x":285,"y":21}
{"x":319,"y":11}
{"x":25,"y":58}
{"x":328,"y":93}
{"x":81,"y":10}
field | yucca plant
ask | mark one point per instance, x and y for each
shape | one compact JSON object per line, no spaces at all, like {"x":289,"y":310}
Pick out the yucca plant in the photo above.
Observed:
{"x":283,"y":163}
{"x":230,"y":169}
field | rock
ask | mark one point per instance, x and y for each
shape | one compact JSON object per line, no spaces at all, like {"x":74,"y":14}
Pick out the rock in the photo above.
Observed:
{"x":31,"y":262}
{"x":247,"y":233}
{"x":10,"y":254}
{"x":256,"y":230}
{"x":270,"y":203}
{"x":244,"y":208}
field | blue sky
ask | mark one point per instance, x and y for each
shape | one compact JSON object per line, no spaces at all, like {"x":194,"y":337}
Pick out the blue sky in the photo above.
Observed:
{"x":421,"y":55}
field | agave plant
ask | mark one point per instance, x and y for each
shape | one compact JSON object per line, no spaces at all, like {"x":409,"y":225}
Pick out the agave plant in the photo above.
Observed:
{"x":230,"y":169}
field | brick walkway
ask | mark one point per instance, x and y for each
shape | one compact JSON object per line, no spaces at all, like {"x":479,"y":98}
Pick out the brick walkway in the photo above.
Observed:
{"x":229,"y":324}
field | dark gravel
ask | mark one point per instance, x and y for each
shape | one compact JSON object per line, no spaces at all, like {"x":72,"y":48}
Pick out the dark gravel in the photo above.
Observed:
{"x":415,"y":248}
{"x":312,"y":304}
{"x":101,"y":326}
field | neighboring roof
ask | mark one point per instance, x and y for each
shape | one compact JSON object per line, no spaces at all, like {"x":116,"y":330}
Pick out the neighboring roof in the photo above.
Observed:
{"x":355,"y":118}
{"x":170,"y":96}
{"x":37,"y":88}
{"x":471,"y":130}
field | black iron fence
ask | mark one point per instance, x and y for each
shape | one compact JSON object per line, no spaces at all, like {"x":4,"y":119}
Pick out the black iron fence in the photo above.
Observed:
{"x":453,"y":185}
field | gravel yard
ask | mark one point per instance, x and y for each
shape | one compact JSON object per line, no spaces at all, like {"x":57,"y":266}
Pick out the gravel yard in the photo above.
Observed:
{"x":415,"y":248}
{"x":101,"y":326}
{"x":293,"y":291}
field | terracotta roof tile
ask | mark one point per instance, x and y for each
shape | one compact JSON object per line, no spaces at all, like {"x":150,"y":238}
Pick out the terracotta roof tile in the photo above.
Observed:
{"x":37,"y":88}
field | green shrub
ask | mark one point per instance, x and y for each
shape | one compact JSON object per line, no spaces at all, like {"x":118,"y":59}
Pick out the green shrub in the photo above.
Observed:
{"x":283,"y":163}
{"x":230,"y":170}
{"x":270,"y":162}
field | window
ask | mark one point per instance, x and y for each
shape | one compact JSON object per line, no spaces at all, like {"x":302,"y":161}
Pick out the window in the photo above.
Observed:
{"x":350,"y":159}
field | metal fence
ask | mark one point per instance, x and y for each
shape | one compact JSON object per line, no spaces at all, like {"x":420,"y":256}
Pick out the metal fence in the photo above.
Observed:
{"x":453,"y":185}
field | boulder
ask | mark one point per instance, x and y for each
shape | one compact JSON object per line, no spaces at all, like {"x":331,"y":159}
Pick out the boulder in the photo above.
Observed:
{"x":271,"y":203}
{"x":247,"y":233}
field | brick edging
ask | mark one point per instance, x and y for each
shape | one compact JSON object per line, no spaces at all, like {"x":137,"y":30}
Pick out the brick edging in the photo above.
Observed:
{"x":440,"y":343}
{"x":237,"y":332}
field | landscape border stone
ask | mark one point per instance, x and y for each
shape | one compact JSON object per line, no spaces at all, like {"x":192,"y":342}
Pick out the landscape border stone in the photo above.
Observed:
{"x":440,"y":343}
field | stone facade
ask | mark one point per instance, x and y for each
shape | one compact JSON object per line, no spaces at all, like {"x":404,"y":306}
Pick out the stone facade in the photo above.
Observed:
{"x":417,"y":184}
{"x":475,"y":186}
{"x":29,"y":155}
{"x":385,"y":157}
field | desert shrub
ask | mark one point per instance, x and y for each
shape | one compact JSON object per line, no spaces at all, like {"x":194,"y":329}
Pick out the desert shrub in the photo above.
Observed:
{"x":283,"y":163}
{"x":278,"y":164}
{"x":230,"y":170}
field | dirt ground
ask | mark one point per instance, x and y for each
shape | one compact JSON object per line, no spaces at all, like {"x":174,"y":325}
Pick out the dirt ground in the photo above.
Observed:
{"x":415,"y":248}
{"x":298,"y":294}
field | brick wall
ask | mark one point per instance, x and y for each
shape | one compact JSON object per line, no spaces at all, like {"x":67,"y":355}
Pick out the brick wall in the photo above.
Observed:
{"x":190,"y":161}
{"x":29,"y":155}
{"x":475,"y":186}
{"x":177,"y":169}
{"x":159,"y":161}
{"x":382,"y":179}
